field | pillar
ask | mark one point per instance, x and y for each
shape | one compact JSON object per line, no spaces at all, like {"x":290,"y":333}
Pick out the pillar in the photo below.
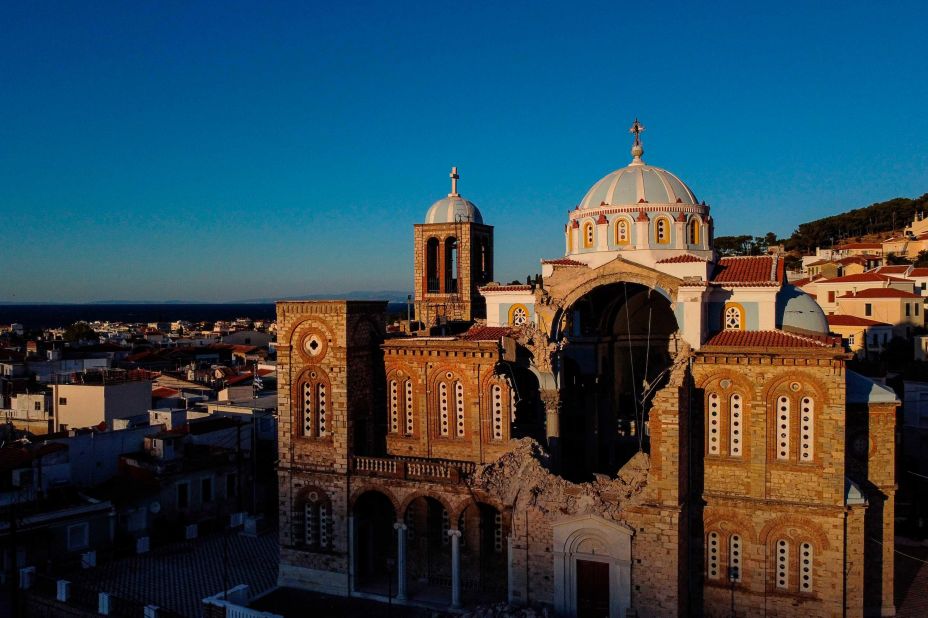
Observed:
{"x":551,"y":400}
{"x":400,"y":528}
{"x":455,"y":568}
{"x":352,"y":553}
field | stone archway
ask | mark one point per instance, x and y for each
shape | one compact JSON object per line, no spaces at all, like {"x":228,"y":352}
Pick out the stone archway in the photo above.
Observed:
{"x":589,"y":545}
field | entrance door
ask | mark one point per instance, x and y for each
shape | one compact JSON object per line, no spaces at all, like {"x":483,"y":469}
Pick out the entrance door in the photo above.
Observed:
{"x":592,"y":589}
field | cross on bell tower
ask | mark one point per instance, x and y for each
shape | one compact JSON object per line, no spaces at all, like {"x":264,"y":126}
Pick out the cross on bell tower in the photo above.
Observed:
{"x":637,"y":150}
{"x":454,"y":182}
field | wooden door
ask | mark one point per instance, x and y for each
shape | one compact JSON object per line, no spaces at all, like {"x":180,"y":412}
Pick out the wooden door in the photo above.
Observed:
{"x":592,"y":589}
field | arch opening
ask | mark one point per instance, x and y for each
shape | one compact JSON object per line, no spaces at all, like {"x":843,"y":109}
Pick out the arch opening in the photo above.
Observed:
{"x":431,"y":266}
{"x":376,"y":548}
{"x":484,"y":551}
{"x":621,"y":339}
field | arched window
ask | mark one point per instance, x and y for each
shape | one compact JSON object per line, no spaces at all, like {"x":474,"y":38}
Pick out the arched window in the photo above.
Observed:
{"x":394,"y":407}
{"x":588,"y":235}
{"x":621,"y":231}
{"x":312,"y":519}
{"x":733,"y":317}
{"x":713,"y":564}
{"x":782,"y":434}
{"x":459,"y":408}
{"x":662,"y":231}
{"x":410,"y":421}
{"x":734,"y":558}
{"x":692,"y":231}
{"x":715,"y":424}
{"x":496,"y":412}
{"x":782,"y":564}
{"x":805,"y":567}
{"x":314,"y":405}
{"x":735,"y":422}
{"x":518,"y":315}
{"x":443,"y":408}
{"x":451,"y":265}
{"x":431,"y":266}
{"x":806,"y":429}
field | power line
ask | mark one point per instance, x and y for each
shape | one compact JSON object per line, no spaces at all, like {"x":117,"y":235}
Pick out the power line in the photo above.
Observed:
{"x":896,"y":551}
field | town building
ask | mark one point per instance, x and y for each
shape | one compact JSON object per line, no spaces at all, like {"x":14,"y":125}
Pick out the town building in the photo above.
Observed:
{"x":647,"y":430}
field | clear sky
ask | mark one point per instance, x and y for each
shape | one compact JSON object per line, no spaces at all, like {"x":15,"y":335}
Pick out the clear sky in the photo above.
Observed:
{"x":222,"y":151}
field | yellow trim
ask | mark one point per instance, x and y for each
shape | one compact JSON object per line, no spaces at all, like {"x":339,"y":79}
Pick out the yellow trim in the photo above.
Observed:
{"x":589,"y":236}
{"x":667,"y":228}
{"x":513,"y":309}
{"x":740,"y":309}
{"x":628,"y":232}
{"x":692,"y":231}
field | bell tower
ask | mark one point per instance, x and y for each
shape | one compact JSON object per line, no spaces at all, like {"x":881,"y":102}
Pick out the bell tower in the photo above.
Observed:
{"x":453,"y":258}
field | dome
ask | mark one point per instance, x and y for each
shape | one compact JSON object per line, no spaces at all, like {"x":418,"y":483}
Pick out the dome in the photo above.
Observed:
{"x":799,"y":313}
{"x":636,"y":182}
{"x":454,"y":208}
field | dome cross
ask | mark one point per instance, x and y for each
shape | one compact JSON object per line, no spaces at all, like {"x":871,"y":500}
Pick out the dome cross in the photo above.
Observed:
{"x":454,"y":182}
{"x":637,"y":150}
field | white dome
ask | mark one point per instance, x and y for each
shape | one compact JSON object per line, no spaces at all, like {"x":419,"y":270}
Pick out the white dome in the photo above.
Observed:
{"x":635,"y":184}
{"x":453,"y":209}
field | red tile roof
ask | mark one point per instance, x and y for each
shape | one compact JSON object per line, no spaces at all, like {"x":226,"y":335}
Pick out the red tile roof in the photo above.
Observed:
{"x":852,"y":320}
{"x":749,"y":270}
{"x":860,"y":245}
{"x":881,"y":293}
{"x":486,"y":333}
{"x":163,"y":391}
{"x":863,"y":277}
{"x":769,"y":339}
{"x":681,"y":259}
{"x":919,"y":272}
{"x":563,"y":262}
{"x":897,"y":269}
{"x":506,"y":288}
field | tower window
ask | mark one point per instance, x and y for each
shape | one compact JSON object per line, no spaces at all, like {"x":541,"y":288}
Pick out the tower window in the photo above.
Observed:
{"x":712,"y":557}
{"x":431,"y":266}
{"x":394,"y":408}
{"x":662,"y":231}
{"x":782,"y":433}
{"x":443,"y":408}
{"x":733,"y":318}
{"x":693,"y":232}
{"x":806,"y":429}
{"x":518,"y":315}
{"x":410,"y":424}
{"x":621,"y":232}
{"x":735,"y":419}
{"x":588,"y":235}
{"x":715,"y":423}
{"x":734,"y":558}
{"x":459,"y":408}
{"x":782,"y":564}
{"x":805,"y":567}
{"x":496,"y":402}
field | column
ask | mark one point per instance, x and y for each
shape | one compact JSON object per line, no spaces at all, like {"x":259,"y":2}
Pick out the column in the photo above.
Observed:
{"x":400,"y":528}
{"x":352,"y":553}
{"x":551,"y":400}
{"x":455,"y":568}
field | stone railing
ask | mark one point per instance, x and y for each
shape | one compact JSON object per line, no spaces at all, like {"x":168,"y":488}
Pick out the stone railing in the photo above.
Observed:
{"x":440,"y":471}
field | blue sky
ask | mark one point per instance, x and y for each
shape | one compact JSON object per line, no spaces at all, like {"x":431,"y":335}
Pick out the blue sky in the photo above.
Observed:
{"x":221,"y":151}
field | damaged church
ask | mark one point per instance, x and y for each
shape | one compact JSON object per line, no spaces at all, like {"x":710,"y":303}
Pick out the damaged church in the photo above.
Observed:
{"x":645,"y":430}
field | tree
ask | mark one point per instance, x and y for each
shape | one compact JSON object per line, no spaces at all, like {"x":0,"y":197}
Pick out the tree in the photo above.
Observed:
{"x":79,"y":331}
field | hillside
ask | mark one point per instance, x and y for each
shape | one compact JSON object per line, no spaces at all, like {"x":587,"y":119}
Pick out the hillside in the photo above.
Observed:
{"x":880,"y":218}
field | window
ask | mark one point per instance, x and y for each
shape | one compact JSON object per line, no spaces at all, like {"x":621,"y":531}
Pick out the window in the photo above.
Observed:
{"x":734,"y":558}
{"x":782,"y":428}
{"x":78,"y":536}
{"x":316,"y":520}
{"x":314,"y":405}
{"x":735,"y":421}
{"x":782,"y":564}
{"x":693,"y":232}
{"x":831,"y":296}
{"x":621,"y":232}
{"x":37,"y":406}
{"x":733,"y":317}
{"x":62,"y":401}
{"x":916,"y":308}
{"x":496,"y":415}
{"x":459,"y":407}
{"x":868,"y":309}
{"x":410,"y":424}
{"x":206,"y":490}
{"x":443,"y":408}
{"x":850,"y":340}
{"x":518,"y":315}
{"x":714,"y":424}
{"x":924,"y":285}
{"x":394,"y":408}
{"x":662,"y":231}
{"x":712,"y":561}
{"x":807,"y":429}
{"x":588,"y":234}
{"x":805,"y":567}
{"x":183,"y":495}
{"x":908,"y":310}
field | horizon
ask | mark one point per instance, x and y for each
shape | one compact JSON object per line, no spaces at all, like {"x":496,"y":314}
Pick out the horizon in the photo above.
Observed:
{"x":184,"y":152}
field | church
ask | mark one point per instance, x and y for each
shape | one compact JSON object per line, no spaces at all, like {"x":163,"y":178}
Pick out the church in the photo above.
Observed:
{"x":644,"y":430}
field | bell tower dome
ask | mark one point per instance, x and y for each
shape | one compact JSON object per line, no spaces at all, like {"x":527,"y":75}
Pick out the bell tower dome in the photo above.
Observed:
{"x":453,"y":258}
